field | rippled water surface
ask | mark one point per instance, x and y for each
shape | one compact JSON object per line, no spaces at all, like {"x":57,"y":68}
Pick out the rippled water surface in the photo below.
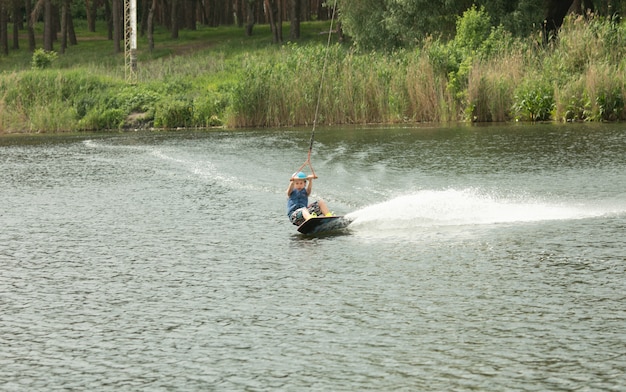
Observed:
{"x":480,"y":258}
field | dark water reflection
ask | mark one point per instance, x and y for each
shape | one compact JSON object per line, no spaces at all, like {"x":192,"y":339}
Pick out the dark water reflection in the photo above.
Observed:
{"x":480,"y":259}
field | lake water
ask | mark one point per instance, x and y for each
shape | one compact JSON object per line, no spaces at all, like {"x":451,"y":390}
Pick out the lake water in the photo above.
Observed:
{"x":481,"y":258}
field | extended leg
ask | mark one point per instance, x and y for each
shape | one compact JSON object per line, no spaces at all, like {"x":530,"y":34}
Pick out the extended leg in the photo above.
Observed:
{"x":323,"y":207}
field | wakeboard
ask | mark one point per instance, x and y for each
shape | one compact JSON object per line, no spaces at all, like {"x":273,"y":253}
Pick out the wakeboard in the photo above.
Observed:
{"x":324,"y":224}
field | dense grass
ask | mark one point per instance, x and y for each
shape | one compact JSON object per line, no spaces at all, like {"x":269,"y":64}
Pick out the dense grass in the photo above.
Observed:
{"x":217,"y":76}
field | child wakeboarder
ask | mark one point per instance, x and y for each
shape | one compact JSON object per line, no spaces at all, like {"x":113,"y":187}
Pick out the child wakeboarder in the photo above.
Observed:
{"x":298,"y":207}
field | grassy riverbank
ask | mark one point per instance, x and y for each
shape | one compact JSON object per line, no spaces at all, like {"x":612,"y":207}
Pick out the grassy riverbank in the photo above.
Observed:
{"x":216,"y":76}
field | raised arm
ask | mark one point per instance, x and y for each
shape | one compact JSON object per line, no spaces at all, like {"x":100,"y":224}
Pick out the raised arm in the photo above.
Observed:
{"x":290,"y":188}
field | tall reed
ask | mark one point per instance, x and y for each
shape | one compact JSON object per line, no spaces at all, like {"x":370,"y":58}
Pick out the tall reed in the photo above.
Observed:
{"x":580,"y":76}
{"x":491,"y":86}
{"x":428,"y":97}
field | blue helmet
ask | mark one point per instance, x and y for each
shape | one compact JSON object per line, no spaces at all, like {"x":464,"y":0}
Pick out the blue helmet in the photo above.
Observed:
{"x":299,"y":176}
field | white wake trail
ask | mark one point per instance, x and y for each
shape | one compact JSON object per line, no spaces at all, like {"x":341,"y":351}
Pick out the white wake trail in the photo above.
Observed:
{"x":469,"y":207}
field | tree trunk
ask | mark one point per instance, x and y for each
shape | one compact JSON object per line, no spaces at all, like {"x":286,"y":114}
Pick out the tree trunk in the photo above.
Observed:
{"x":94,"y":13}
{"x":48,"y":26}
{"x":554,"y":15}
{"x":56,"y":19}
{"x":174,"y":19}
{"x":237,"y":11}
{"x":91,"y":22}
{"x":117,"y":25}
{"x":150,"y":26}
{"x":4,"y":39}
{"x":294,"y":29}
{"x":17,"y":17}
{"x":64,"y":12}
{"x":229,"y":13}
{"x":203,"y":15}
{"x":322,"y":13}
{"x":250,"y":8}
{"x":71,"y":33}
{"x":581,"y":7}
{"x":273,"y":13}
{"x":278,"y":18}
{"x":340,"y":36}
{"x":270,"y":16}
{"x":190,"y":14}
{"x":145,"y":9}
{"x":29,"y":24}
{"x":108,"y":15}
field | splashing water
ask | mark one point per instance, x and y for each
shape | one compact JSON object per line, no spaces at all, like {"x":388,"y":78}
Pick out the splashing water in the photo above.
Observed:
{"x":429,"y":208}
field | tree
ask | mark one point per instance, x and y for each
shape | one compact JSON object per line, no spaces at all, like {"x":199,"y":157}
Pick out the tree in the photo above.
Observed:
{"x":250,"y":11}
{"x":116,"y":17}
{"x":48,"y":26}
{"x":188,"y":14}
{"x":17,"y":23}
{"x":108,"y":16}
{"x":90,"y":12}
{"x":65,"y":14}
{"x":272,"y":8}
{"x":150,"y":27}
{"x":555,"y":13}
{"x":295,"y":9}
{"x":385,"y":24}
{"x":29,"y":25}
{"x":174,"y":19}
{"x":4,"y":39}
{"x":362,"y":20}
{"x":67,"y":26}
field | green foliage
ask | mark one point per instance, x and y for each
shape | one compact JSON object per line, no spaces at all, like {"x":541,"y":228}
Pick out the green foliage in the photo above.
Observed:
{"x":362,"y":20}
{"x":100,"y":119}
{"x":489,"y":94}
{"x":483,"y":74}
{"x":577,"y":107}
{"x":388,"y":24}
{"x":208,"y":109}
{"x":475,"y":41}
{"x":261,"y":94}
{"x":53,"y":117}
{"x":35,"y":88}
{"x":250,"y":95}
{"x":472,"y":29}
{"x":534,"y":101}
{"x":444,"y":57}
{"x":499,"y":42}
{"x":610,"y":104}
{"x":174,"y":113}
{"x":42,"y":59}
{"x":520,"y":17}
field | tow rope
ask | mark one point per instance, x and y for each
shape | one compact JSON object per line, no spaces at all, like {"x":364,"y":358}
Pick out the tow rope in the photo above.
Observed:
{"x":319,"y":95}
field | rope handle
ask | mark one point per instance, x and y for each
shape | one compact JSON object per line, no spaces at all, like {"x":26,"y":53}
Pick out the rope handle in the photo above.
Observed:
{"x":308,"y":163}
{"x":319,"y":95}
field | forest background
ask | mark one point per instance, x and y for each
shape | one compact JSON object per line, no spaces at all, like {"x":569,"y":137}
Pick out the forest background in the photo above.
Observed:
{"x":250,"y":63}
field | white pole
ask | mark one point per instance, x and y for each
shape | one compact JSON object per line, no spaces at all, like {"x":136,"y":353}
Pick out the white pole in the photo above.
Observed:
{"x":133,"y":35}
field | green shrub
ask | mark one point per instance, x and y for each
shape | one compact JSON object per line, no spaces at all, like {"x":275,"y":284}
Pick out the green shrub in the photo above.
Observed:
{"x":259,"y":95}
{"x":54,"y":117}
{"x":472,"y":29}
{"x":208,"y":110}
{"x":132,"y":99}
{"x":578,"y":108}
{"x":610,"y":103}
{"x":42,"y":59}
{"x":98,"y":119}
{"x":444,"y":58}
{"x":174,"y":113}
{"x":534,"y":101}
{"x":500,"y":42}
